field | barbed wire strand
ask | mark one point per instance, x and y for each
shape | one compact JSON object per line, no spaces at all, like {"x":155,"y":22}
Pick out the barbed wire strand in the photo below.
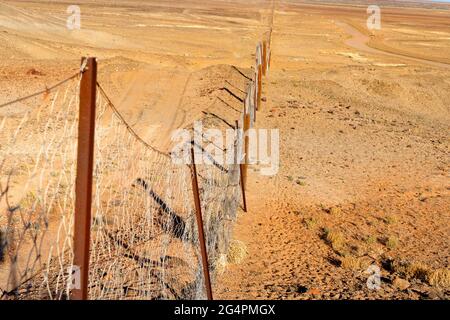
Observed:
{"x":127,"y":125}
{"x":46,"y":90}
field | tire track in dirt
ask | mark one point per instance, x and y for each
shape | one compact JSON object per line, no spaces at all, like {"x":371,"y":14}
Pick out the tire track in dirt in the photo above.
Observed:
{"x":360,"y":42}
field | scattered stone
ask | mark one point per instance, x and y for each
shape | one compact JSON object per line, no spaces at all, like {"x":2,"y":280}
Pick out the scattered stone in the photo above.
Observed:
{"x":435,"y":294}
{"x":34,"y":72}
{"x":301,"y":289}
{"x":401,"y":284}
{"x":314,"y":292}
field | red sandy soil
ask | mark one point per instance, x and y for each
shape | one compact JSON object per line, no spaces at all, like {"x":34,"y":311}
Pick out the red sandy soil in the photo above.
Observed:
{"x":363,"y":119}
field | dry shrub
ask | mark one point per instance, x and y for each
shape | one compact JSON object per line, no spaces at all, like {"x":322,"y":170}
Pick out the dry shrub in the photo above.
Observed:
{"x":351,"y":263}
{"x":390,"y":219}
{"x":335,"y":211}
{"x":237,"y":252}
{"x":310,"y":223}
{"x":370,"y":240}
{"x":440,"y":278}
{"x":334,"y":239}
{"x":417,"y":270}
{"x":391,"y":242}
{"x":411,"y":270}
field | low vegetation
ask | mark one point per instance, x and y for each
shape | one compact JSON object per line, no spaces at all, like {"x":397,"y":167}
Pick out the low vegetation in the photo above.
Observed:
{"x":440,"y":278}
{"x":335,"y":239}
{"x":237,"y":252}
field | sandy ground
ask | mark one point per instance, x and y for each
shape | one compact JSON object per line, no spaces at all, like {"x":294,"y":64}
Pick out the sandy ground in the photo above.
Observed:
{"x":364,"y":154}
{"x":363,"y":119}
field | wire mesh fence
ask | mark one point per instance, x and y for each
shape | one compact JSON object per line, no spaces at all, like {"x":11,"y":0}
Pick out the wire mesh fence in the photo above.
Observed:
{"x":144,"y":239}
{"x":37,"y":179}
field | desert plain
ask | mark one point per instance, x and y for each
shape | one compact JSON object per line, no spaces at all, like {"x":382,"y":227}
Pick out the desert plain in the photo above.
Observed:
{"x":363,"y":116}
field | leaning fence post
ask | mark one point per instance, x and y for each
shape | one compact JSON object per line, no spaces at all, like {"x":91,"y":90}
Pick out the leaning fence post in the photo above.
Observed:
{"x":264,"y":57}
{"x":241,"y":170}
{"x":83,"y":186}
{"x":246,"y":145}
{"x":259,"y":86}
{"x":252,"y":102}
{"x":201,"y":233}
{"x":255,"y":91}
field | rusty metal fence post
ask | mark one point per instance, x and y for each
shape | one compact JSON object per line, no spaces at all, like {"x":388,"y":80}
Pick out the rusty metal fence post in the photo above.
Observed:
{"x":255,"y":92}
{"x":241,"y":168}
{"x":251,"y":98}
{"x":246,"y":145}
{"x":259,"y":86}
{"x":201,"y":233}
{"x":83,"y":188}
{"x":264,"y":57}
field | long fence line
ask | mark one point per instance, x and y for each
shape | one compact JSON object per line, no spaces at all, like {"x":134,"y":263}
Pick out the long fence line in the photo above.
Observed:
{"x":92,"y":211}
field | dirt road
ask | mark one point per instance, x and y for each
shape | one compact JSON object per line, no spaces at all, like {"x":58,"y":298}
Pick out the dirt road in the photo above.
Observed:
{"x":360,"y":41}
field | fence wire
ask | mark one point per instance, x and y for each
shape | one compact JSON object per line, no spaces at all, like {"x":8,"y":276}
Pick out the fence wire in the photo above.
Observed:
{"x":144,"y":238}
{"x":37,"y":179}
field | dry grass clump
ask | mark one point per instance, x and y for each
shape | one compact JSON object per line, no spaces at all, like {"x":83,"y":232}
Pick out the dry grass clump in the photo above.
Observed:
{"x":440,"y":278}
{"x":237,"y":252}
{"x":370,"y":240}
{"x":335,"y":211}
{"x":411,"y":270}
{"x":391,"y":242}
{"x":352,"y":263}
{"x":310,"y":223}
{"x":390,"y":219}
{"x":417,"y":270}
{"x":335,"y":239}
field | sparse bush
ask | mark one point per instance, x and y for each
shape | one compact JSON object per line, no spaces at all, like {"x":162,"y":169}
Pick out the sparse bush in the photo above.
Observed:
{"x":439,"y":278}
{"x":370,"y":240}
{"x":237,"y":252}
{"x":417,"y":270}
{"x":335,"y":211}
{"x":391,"y":242}
{"x":390,"y":219}
{"x":411,"y":270}
{"x":334,"y":239}
{"x":310,"y":223}
{"x":352,"y":263}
